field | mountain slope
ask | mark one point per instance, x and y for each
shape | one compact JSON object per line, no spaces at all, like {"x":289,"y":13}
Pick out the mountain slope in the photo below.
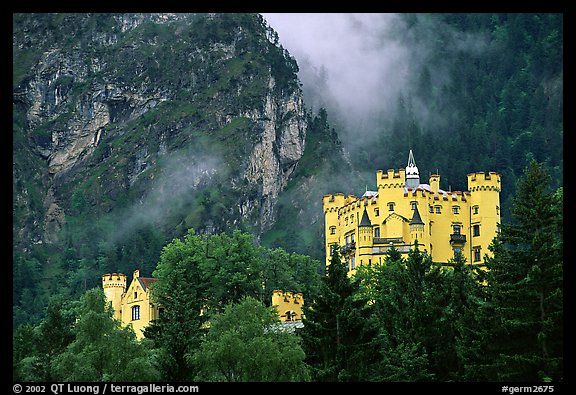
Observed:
{"x":131,"y":128}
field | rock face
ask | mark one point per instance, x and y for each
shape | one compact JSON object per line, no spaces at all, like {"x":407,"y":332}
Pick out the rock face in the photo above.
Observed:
{"x":275,"y":157}
{"x":105,"y":105}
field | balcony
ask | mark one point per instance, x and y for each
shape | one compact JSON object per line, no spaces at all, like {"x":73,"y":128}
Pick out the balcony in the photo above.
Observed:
{"x":348,"y":248}
{"x":457,"y":239}
{"x":387,"y":240}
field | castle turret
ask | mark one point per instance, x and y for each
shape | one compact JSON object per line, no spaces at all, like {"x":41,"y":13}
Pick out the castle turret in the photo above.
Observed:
{"x":332,"y":204}
{"x":434,"y":182}
{"x":365,"y":238}
{"x":114,"y":286}
{"x":484,"y":212}
{"x":417,"y":226}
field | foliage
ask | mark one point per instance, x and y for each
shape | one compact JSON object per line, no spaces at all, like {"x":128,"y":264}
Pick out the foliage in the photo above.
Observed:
{"x":406,"y":320}
{"x":204,"y":274}
{"x":337,"y":334}
{"x":242,"y":345}
{"x":81,"y":342}
{"x":525,"y":287}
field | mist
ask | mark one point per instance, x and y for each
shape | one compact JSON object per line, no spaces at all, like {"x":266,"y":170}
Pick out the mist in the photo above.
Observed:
{"x":361,"y":66}
{"x":183,"y":174}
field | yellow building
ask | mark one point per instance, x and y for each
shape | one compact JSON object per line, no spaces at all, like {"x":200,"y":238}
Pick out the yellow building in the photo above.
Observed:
{"x":402,"y":210}
{"x":133,"y":306}
{"x":288,"y":304}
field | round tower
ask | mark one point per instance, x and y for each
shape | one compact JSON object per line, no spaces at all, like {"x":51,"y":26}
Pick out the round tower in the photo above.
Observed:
{"x":484,"y":212}
{"x":365,"y":238}
{"x":114,"y":286}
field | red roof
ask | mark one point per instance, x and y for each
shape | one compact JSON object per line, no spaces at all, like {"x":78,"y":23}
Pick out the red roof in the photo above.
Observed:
{"x":146,"y":281}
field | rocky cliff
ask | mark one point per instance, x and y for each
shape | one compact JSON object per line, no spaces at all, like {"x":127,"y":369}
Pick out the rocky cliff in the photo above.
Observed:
{"x":174,"y":120}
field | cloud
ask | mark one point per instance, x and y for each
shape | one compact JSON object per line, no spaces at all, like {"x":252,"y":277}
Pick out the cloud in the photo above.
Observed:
{"x":181,"y":176}
{"x":359,"y":66}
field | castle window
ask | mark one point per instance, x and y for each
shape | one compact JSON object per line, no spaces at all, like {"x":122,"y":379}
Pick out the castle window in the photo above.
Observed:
{"x":391,"y":206}
{"x":352,"y":237}
{"x":476,"y":254}
{"x":456,"y":229}
{"x":476,"y":230}
{"x":135,"y":295}
{"x":413,"y":204}
{"x":135,"y":313}
{"x":431,"y":209}
{"x":475,"y":209}
{"x":376,"y":232}
{"x":455,"y":209}
{"x":332,"y":230}
{"x":352,"y":218}
{"x":332,"y":248}
{"x":376,"y":212}
{"x":353,"y":264}
{"x":497,"y":210}
{"x":438,"y":209}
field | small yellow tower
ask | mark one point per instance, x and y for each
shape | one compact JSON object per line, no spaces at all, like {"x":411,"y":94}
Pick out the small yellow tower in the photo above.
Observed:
{"x":114,"y":286}
{"x":133,"y":305}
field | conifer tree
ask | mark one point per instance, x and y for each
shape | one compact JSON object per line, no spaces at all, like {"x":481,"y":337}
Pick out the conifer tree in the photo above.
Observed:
{"x":337,"y":335}
{"x":525,"y":286}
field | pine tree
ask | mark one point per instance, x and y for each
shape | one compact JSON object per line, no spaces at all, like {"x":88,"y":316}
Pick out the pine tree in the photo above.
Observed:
{"x":525,"y":286}
{"x":337,"y":335}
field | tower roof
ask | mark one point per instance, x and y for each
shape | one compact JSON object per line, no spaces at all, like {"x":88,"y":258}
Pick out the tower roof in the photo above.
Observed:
{"x":411,"y":168}
{"x":365,"y":221}
{"x":416,"y":218}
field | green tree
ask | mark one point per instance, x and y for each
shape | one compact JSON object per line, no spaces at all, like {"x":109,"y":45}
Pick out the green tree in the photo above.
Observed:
{"x":180,"y":291}
{"x":245,"y":343}
{"x":231,"y":268}
{"x":337,"y":334}
{"x":36,"y":347}
{"x":399,"y":293}
{"x":525,"y":285}
{"x":102,"y":350}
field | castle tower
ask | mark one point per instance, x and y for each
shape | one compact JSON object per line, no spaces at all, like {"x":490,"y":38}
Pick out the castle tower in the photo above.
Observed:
{"x":114,"y":286}
{"x":332,"y":204}
{"x":412,"y":175}
{"x":365,"y":238}
{"x":417,"y":226}
{"x":484,"y":212}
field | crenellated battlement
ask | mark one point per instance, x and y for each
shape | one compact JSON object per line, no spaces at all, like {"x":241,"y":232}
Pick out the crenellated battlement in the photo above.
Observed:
{"x":391,"y":179}
{"x":481,"y":181}
{"x":114,"y":280}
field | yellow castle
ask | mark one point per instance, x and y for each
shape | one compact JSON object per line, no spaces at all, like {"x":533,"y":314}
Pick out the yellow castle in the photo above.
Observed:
{"x":402,"y":210}
{"x":135,"y":306}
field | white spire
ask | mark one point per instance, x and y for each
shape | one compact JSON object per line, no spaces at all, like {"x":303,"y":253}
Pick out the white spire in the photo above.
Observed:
{"x":411,"y":169}
{"x":412,"y":175}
